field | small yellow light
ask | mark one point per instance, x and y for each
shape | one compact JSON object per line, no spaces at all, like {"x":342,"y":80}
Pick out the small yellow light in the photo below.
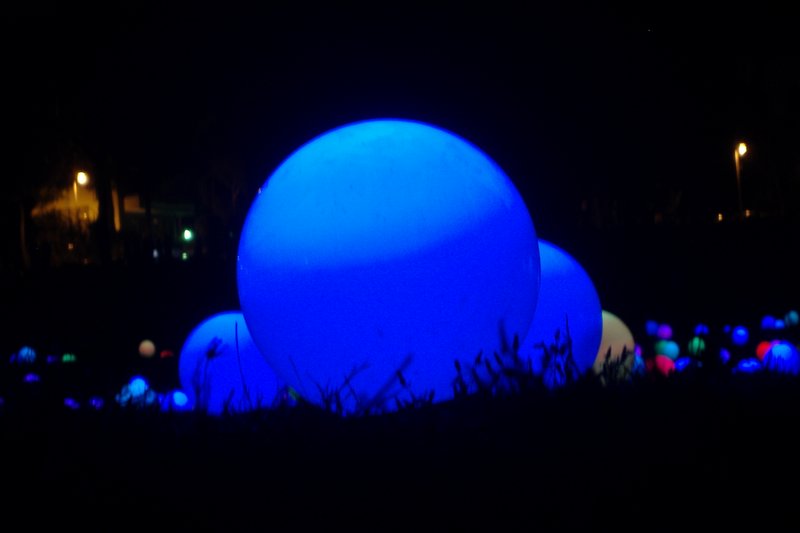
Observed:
{"x":747,"y":213}
{"x":82,"y":178}
{"x":70,"y":246}
{"x":742,"y":149}
{"x":719,"y":217}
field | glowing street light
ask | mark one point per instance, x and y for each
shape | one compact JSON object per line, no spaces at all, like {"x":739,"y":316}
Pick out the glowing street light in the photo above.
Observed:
{"x":738,"y":153}
{"x":81,"y":178}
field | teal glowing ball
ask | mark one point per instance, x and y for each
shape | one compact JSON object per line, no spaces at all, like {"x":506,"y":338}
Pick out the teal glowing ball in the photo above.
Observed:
{"x":377,"y":255}
{"x":696,"y":346}
{"x":567,"y":298}
{"x":669,"y":348}
{"x":791,"y":318}
{"x":221,"y":369}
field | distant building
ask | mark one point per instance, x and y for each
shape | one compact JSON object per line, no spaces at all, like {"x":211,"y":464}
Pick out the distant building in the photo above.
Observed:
{"x":64,"y":224}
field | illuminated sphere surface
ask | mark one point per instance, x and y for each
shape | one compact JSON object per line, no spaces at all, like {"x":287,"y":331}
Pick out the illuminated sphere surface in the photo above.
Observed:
{"x":762,"y":348}
{"x":147,"y":348}
{"x":664,"y":365}
{"x":782,"y":357}
{"x":385,"y":247}
{"x":664,"y":331}
{"x":567,"y":296}
{"x":669,"y":348}
{"x":749,"y":365}
{"x":216,"y":377}
{"x":740,"y":335}
{"x":616,"y":336}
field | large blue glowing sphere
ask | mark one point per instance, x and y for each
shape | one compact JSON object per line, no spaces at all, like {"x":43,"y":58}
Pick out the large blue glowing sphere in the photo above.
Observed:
{"x":221,"y":369}
{"x":567,"y":297}
{"x":378,"y":254}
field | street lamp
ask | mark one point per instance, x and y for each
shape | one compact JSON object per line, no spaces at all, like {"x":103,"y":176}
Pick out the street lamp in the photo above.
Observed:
{"x":81,"y":178}
{"x":738,"y":153}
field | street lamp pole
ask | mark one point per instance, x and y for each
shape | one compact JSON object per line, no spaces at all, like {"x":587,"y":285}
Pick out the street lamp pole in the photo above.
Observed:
{"x":738,"y":152}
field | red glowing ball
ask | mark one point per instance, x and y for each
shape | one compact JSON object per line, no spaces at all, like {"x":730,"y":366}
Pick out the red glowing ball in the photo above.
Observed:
{"x":762,"y":348}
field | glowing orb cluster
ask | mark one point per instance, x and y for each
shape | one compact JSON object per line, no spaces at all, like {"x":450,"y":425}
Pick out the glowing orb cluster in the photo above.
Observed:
{"x":567,"y":301}
{"x":222,"y":371}
{"x":379,"y":253}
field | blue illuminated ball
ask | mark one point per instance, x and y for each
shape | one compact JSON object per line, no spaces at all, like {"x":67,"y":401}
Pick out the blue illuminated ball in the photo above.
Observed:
{"x":221,"y":369}
{"x":651,"y":327}
{"x":768,"y":322}
{"x":682,"y":363}
{"x":791,"y":318}
{"x":567,"y":297}
{"x":740,"y":335}
{"x":664,"y":331}
{"x":378,"y":254}
{"x":782,"y":357}
{"x":749,"y":365}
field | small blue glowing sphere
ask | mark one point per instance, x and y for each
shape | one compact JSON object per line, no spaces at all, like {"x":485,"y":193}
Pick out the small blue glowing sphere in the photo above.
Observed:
{"x":780,"y":324}
{"x":26,"y":354}
{"x":664,"y":331}
{"x":724,"y":355}
{"x":740,"y":335}
{"x":782,"y":357}
{"x":651,"y":328}
{"x":176,"y":401}
{"x":138,"y":386}
{"x":791,"y":318}
{"x":749,"y":365}
{"x":567,"y":299}
{"x":768,"y":322}
{"x":701,"y":330}
{"x":96,"y":402}
{"x":682,"y":363}
{"x":221,"y":369}
{"x":71,"y":403}
{"x":380,"y":253}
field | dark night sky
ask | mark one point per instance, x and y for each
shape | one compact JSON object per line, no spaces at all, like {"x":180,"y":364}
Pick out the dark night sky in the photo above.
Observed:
{"x":573,"y":100}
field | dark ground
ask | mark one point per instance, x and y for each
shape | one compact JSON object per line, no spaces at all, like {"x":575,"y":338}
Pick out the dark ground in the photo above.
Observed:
{"x":705,"y":451}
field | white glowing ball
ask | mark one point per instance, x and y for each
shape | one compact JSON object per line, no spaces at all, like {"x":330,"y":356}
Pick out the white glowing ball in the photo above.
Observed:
{"x":147,"y":348}
{"x":385,"y":249}
{"x":616,"y":337}
{"x":222,"y":371}
{"x":567,"y":296}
